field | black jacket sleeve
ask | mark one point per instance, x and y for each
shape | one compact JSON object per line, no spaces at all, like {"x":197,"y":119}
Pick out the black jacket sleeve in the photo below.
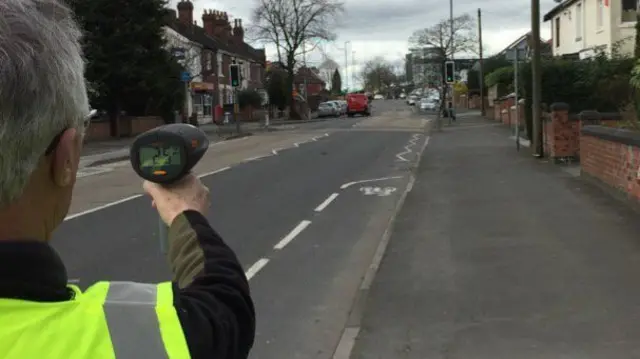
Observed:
{"x":211,"y":292}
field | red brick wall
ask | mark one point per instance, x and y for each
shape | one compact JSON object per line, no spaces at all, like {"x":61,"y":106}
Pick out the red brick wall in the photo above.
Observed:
{"x":129,"y":126}
{"x":561,"y":131}
{"x":614,"y":164}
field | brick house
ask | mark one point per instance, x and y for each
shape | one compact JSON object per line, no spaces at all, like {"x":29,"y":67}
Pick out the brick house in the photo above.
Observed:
{"x":222,"y":44}
{"x":315,"y":84}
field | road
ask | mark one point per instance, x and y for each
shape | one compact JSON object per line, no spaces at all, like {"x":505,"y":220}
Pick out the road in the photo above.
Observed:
{"x":304,"y":209}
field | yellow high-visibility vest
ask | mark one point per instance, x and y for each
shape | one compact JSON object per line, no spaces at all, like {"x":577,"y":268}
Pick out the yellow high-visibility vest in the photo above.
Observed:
{"x":110,"y":320}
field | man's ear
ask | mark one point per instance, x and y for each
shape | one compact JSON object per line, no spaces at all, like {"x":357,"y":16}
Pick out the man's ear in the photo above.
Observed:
{"x":65,"y":159}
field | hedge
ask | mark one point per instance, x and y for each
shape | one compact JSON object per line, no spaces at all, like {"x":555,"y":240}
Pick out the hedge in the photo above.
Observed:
{"x":594,"y":84}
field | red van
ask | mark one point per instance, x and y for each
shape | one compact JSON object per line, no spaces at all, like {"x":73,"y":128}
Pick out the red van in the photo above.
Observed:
{"x":357,"y":103}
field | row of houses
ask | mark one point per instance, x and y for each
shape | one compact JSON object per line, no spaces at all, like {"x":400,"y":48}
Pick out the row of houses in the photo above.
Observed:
{"x":584,"y":28}
{"x":207,"y":52}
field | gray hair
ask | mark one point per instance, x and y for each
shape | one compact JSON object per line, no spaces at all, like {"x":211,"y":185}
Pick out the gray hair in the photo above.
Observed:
{"x":42,"y":86}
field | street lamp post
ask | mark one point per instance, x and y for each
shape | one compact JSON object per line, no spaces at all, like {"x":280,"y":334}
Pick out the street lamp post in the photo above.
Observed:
{"x":346,"y":64}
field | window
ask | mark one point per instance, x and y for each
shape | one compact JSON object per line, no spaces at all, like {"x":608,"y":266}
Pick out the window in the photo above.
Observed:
{"x":557,"y":32}
{"x":628,"y":11}
{"x":600,"y":14}
{"x":219,"y":60}
{"x":207,"y":61}
{"x":578,"y":22}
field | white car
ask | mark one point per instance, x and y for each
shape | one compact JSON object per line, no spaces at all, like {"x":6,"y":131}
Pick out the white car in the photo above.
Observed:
{"x":429,"y":104}
{"x":378,"y":97}
{"x":403,"y":95}
{"x":411,"y":101}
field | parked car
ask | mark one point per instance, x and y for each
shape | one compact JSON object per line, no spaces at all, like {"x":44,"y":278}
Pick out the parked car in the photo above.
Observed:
{"x":343,"y":106}
{"x":358,"y":103}
{"x":342,"y":109}
{"x":428,"y":104}
{"x":327,"y":109}
{"x":403,"y":95}
{"x":411,"y":100}
{"x":378,"y":97}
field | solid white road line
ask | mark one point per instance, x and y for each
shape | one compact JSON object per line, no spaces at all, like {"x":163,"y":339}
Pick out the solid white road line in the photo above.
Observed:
{"x":256,"y":158}
{"x":346,"y":343}
{"x":256,"y":267}
{"x":96,"y":209}
{"x":293,"y":234}
{"x":326,"y":202}
{"x":214,"y":172}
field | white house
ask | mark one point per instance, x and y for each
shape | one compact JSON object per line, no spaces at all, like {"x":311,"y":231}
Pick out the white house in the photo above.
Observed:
{"x":189,"y":54}
{"x":583,"y":28}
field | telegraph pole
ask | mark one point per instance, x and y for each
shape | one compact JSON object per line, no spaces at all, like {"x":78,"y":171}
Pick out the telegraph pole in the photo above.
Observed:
{"x":483,"y":110}
{"x":537,"y":79}
{"x":452,"y":110}
{"x":353,"y":64}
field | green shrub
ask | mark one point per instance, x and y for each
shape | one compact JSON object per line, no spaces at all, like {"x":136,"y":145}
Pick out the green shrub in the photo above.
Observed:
{"x":249,"y":98}
{"x":595,"y":84}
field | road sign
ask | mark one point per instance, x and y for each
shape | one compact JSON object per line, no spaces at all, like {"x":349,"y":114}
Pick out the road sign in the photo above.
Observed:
{"x":185,"y":76}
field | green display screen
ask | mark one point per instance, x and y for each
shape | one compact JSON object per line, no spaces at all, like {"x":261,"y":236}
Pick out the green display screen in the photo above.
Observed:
{"x":159,"y":157}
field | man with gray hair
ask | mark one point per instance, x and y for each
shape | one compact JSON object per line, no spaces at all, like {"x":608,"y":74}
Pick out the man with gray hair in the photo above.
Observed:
{"x":205,"y":312}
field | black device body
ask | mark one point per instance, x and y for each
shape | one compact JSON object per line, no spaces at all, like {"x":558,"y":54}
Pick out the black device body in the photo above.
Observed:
{"x":166,"y":154}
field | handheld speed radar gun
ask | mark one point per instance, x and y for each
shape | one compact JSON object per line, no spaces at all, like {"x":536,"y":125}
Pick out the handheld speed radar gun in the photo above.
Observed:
{"x":165,"y":155}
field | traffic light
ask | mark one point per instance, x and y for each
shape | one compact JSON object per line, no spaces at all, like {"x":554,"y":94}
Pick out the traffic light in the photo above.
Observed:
{"x":235,"y":75}
{"x":449,"y":72}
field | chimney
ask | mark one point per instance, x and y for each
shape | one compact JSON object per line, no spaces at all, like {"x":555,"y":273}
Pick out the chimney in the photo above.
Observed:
{"x":238,"y":31}
{"x":209,"y":22}
{"x":215,"y":23}
{"x":185,"y":12}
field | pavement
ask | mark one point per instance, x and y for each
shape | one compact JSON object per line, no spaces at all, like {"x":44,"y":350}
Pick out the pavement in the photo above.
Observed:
{"x":101,"y":152}
{"x":497,"y":255}
{"x":305,"y":210}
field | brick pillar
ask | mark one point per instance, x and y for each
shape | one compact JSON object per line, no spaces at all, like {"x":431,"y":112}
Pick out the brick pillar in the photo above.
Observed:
{"x":561,"y":134}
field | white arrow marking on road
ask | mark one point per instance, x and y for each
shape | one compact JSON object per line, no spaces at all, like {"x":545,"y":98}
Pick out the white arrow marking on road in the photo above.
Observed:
{"x":349,"y":184}
{"x":289,"y":237}
{"x":256,"y":267}
{"x":377,"y":191}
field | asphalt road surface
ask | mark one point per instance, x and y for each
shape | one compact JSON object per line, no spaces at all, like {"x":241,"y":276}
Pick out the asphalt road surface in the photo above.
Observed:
{"x":305,"y":222}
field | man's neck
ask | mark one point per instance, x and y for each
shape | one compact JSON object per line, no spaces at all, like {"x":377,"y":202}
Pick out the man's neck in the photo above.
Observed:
{"x":18,"y":222}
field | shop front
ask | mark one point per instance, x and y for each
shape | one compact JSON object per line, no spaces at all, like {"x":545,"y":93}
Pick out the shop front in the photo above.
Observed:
{"x":202,"y":101}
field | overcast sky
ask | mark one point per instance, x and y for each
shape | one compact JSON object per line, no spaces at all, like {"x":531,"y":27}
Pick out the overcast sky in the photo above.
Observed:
{"x":376,"y":28}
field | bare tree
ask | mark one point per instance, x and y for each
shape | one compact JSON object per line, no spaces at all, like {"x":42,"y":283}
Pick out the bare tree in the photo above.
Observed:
{"x":378,"y":74}
{"x":291,"y":25}
{"x":439,"y":37}
{"x":327,"y":69}
{"x":446,"y":39}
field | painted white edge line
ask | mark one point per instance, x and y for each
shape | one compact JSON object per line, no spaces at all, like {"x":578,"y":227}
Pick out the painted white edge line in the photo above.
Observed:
{"x":292,"y":235}
{"x":214,"y":172}
{"x":326,"y":202}
{"x":275,"y":151}
{"x":256,"y":267}
{"x":96,"y":209}
{"x":349,"y":184}
{"x":256,"y":158}
{"x":126,"y":199}
{"x":346,"y":343}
